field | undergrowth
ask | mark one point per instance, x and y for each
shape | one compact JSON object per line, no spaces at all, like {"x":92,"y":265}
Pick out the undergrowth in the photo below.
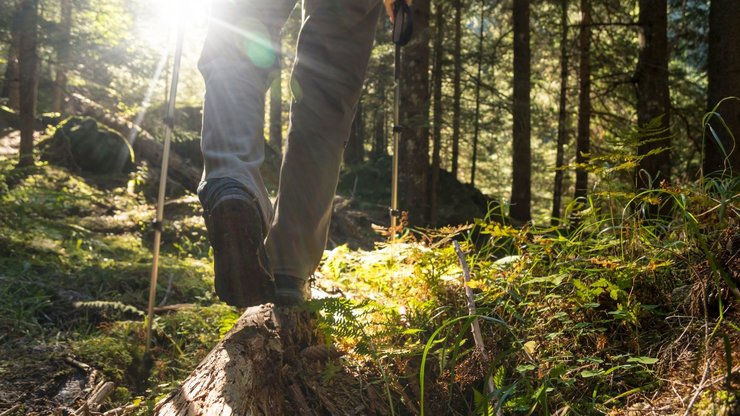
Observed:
{"x":74,"y":276}
{"x":610,"y":313}
{"x":613,"y":312}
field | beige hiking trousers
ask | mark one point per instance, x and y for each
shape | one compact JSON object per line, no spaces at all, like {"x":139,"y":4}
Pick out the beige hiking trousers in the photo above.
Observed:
{"x":238,"y":62}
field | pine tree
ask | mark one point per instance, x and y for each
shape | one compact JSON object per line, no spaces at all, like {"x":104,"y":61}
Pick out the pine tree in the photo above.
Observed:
{"x":521,"y":192}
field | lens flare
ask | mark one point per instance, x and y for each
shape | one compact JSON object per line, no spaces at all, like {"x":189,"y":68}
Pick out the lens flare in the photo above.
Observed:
{"x":163,"y":16}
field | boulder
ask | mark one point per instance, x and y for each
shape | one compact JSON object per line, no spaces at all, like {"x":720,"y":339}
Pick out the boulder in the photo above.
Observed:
{"x":83,"y":143}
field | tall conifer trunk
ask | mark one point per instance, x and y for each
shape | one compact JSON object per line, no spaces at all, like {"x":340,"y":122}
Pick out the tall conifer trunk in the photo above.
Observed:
{"x":477,"y":94}
{"x":11,"y":80}
{"x":557,"y":194}
{"x":414,"y":146}
{"x":522,"y":159}
{"x":63,"y":54}
{"x":354,"y":153}
{"x":437,"y":120}
{"x":28,"y":63}
{"x":653,"y":100}
{"x":583,"y":141}
{"x":457,"y":87}
{"x":379,"y":143}
{"x":724,"y":81}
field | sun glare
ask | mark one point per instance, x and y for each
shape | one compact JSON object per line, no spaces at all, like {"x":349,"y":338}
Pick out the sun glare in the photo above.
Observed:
{"x":165,"y":15}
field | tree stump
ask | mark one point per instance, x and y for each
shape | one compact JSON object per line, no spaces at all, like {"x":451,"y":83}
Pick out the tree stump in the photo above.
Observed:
{"x":271,"y":363}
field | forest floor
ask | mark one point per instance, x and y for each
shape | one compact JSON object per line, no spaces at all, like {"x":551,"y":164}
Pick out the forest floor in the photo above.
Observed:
{"x":597,"y":321}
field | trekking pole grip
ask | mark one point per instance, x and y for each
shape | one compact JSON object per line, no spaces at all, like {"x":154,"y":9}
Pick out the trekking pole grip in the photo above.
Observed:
{"x":403,"y":25}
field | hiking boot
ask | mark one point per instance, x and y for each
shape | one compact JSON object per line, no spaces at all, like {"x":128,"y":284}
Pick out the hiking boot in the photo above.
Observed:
{"x":290,"y":290}
{"x":242,"y":270}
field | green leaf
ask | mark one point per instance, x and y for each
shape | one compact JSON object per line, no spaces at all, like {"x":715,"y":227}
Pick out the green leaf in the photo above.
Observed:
{"x":525,"y":367}
{"x":642,"y":360}
{"x":591,"y":373}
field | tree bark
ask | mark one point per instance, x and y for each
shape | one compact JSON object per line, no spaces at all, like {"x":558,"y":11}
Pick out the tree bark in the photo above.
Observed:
{"x":414,"y":148}
{"x":653,"y":99}
{"x":11,"y":81}
{"x":355,"y":151}
{"x":724,"y":81}
{"x":478,"y":80}
{"x":270,"y":363}
{"x":439,"y":22}
{"x":457,"y":87}
{"x":522,"y":158}
{"x":583,"y":141}
{"x":63,"y":54}
{"x":28,"y":64}
{"x":379,"y":143}
{"x":557,"y":194}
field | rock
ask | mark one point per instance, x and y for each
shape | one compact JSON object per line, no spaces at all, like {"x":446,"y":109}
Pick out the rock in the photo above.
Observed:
{"x":80,"y":142}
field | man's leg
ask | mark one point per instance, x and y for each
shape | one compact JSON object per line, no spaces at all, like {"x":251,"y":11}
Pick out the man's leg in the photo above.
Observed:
{"x":237,"y":60}
{"x":332,"y":55}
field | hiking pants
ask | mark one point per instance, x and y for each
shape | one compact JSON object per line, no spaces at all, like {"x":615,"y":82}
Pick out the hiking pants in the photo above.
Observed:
{"x":238,"y":63}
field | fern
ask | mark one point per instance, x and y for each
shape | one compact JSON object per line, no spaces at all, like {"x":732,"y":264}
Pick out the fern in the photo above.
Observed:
{"x":110,"y":306}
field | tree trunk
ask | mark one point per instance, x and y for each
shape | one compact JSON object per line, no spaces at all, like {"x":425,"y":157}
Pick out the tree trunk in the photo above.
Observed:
{"x":521,"y":156}
{"x":557,"y":194}
{"x":653,"y":100}
{"x":439,"y":22}
{"x":583,"y":141}
{"x":28,"y":64}
{"x":11,"y":82}
{"x":724,"y":81}
{"x":478,"y":80}
{"x":457,"y":87}
{"x":63,"y":52}
{"x":414,"y":147}
{"x":270,"y":363}
{"x":276,"y":105}
{"x":379,"y":144}
{"x":355,"y":150}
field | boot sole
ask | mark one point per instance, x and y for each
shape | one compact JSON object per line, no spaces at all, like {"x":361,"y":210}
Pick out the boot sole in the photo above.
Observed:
{"x":242,"y":271}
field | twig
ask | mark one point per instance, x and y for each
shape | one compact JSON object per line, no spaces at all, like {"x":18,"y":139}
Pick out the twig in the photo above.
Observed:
{"x":84,"y":410}
{"x":704,"y":377}
{"x":11,"y":410}
{"x":173,"y":308}
{"x":82,"y":366}
{"x":120,"y":411}
{"x":699,"y":388}
{"x":407,"y":401}
{"x":475,"y":327}
{"x":96,"y":399}
{"x":100,"y":394}
{"x":683,"y":402}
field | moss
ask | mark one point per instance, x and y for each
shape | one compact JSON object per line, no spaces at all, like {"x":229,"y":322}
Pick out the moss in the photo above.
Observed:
{"x":716,"y":403}
{"x":112,"y":355}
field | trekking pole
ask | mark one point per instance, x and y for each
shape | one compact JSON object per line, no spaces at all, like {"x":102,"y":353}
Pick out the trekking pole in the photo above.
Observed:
{"x":169,"y":123}
{"x":402,"y":29}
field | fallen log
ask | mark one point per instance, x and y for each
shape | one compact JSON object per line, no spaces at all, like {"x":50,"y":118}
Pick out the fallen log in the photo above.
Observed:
{"x":267,"y":365}
{"x":144,"y":145}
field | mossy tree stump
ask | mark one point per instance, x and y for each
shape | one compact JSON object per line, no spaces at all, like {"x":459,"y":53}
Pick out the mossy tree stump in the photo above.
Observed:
{"x":271,"y":363}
